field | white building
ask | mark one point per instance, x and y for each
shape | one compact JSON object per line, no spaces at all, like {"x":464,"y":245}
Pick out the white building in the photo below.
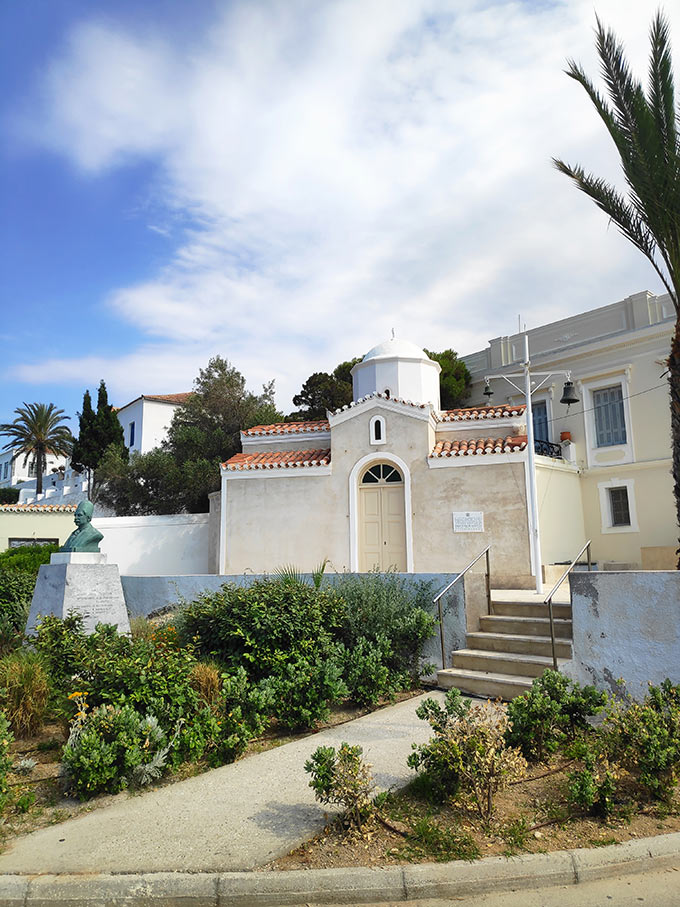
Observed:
{"x":394,"y":481}
{"x":15,"y":471}
{"x":146,"y":419}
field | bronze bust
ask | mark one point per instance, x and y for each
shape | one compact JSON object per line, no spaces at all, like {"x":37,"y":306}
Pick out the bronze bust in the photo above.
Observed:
{"x":85,"y":537}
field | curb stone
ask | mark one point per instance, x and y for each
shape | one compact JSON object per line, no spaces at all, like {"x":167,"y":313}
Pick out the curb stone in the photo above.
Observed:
{"x":340,"y":886}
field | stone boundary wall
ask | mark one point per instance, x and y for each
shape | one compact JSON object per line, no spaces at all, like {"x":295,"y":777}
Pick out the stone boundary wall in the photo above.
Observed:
{"x":156,"y":545}
{"x":626,"y":625}
{"x":145,"y":595}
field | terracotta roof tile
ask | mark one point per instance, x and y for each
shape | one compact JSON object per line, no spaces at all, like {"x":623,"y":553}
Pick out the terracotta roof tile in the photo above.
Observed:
{"x":169,"y":398}
{"x":379,"y":396}
{"x":287,"y":428}
{"x":479,"y":446}
{"x":278,"y":459}
{"x":475,"y":413}
{"x":38,"y":508}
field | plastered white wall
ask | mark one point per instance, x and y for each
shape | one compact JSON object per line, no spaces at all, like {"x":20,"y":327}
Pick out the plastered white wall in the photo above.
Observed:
{"x":560,"y":512}
{"x":156,"y":545}
{"x":626,"y":625}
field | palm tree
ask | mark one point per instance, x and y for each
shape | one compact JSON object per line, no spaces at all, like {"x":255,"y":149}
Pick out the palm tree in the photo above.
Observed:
{"x":644,"y":129}
{"x":36,"y":432}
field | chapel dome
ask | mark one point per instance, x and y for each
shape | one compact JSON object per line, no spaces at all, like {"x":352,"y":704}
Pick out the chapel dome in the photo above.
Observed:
{"x":396,"y":348}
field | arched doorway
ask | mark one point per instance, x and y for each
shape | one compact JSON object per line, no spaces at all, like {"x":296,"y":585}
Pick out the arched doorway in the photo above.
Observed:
{"x":382,"y":523}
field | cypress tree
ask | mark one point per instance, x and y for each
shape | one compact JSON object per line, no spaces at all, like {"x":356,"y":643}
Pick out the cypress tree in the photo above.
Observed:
{"x":86,"y":452}
{"x":108,"y":429}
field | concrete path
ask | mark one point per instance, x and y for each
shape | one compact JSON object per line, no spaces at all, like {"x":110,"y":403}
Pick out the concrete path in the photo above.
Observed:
{"x":234,"y":818}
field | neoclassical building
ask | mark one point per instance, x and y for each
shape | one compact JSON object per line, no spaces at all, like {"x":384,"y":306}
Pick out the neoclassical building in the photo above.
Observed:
{"x":392,"y":481}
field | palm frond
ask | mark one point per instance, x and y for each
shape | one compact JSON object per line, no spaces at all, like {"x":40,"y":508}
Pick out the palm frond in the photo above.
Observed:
{"x":661,"y":88}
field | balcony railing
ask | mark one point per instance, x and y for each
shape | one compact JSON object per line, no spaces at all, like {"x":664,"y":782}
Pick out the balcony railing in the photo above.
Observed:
{"x":546,"y":449}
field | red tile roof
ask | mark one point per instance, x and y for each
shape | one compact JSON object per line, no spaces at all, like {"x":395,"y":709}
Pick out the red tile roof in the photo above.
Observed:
{"x":479,"y":446}
{"x":168,"y":398}
{"x":287,"y":428}
{"x":278,"y":459}
{"x":379,"y":396}
{"x":474,"y":413}
{"x":38,"y":508}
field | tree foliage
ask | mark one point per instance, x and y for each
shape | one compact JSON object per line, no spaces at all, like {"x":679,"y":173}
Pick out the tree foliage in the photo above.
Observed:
{"x":454,"y":380}
{"x":322,"y":392}
{"x":97,"y":432}
{"x":204,"y":432}
{"x":37,"y":431}
{"x":644,"y":130}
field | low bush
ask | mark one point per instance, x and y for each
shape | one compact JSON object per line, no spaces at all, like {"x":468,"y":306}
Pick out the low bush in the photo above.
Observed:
{"x":469,"y":749}
{"x":366,"y":672}
{"x":552,"y":712}
{"x":24,"y":692}
{"x":6,"y":738}
{"x":113,"y":747}
{"x":645,"y":739}
{"x":343,"y":778}
{"x":384,"y":606}
{"x":301,"y":691}
{"x":62,"y":643}
{"x":9,"y":495}
{"x":439,"y":764}
{"x":27,"y":558}
{"x":260,"y":627}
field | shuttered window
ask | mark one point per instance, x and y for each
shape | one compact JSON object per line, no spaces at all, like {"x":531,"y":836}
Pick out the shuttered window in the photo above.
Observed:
{"x":540,"y":415}
{"x":610,"y":424}
{"x":620,"y":511}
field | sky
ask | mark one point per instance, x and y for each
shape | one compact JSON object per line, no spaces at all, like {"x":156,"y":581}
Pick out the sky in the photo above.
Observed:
{"x":283,"y":182}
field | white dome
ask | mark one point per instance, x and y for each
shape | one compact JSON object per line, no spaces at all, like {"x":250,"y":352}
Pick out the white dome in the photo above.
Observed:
{"x":401,"y":349}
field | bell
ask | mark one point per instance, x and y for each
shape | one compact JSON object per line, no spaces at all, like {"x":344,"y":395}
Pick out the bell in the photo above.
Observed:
{"x":487,"y":391}
{"x":568,"y":394}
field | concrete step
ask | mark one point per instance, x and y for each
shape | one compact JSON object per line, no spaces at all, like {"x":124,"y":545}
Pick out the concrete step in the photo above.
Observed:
{"x":525,"y":626}
{"x":502,"y":662}
{"x":530,"y":609}
{"x":487,"y":685}
{"x":522,"y":645}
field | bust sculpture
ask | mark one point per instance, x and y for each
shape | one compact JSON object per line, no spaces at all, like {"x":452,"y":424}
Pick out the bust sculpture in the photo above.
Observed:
{"x":85,"y":537}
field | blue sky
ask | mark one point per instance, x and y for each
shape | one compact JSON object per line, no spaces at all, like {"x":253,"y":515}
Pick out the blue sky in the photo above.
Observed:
{"x":283,"y":181}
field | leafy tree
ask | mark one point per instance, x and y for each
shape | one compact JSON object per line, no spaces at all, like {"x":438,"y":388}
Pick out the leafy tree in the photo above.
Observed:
{"x":37,"y":431}
{"x":205,"y":431}
{"x":644,"y":130}
{"x":322,"y":392}
{"x":97,"y":432}
{"x":454,"y":379}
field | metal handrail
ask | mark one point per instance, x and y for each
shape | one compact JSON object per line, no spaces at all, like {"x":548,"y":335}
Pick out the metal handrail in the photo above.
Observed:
{"x":548,"y":599}
{"x":437,"y":599}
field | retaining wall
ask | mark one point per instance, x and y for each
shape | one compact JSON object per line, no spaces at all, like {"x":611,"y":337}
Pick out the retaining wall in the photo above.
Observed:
{"x":156,"y":545}
{"x":626,"y":625}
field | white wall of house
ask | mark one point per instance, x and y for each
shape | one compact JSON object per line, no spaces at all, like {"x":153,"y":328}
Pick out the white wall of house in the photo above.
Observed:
{"x":14,"y":472}
{"x":156,"y":545}
{"x":145,"y":423}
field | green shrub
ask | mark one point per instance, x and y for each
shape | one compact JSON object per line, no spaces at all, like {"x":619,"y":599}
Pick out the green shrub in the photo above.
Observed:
{"x":24,"y":692}
{"x":381,"y":606}
{"x":470,"y":748}
{"x":9,"y":495}
{"x":302,"y":689}
{"x":343,"y":778}
{"x":645,"y":739}
{"x":549,"y":714}
{"x":16,"y":594}
{"x":62,"y":643}
{"x":366,"y":671}
{"x":260,"y":627}
{"x":6,"y":738}
{"x":27,"y":558}
{"x":113,"y":747}
{"x":438,"y":763}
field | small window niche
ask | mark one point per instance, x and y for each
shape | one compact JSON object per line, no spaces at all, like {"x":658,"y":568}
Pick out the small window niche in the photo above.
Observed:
{"x":377,"y":430}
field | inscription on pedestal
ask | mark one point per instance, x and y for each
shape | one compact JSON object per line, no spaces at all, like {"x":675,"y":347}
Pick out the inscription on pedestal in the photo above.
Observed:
{"x":93,"y":590}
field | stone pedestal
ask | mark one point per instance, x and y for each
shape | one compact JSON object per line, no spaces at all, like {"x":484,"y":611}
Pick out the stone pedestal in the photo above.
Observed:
{"x":81,"y":582}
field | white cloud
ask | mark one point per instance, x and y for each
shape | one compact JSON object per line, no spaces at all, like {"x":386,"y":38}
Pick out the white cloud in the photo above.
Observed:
{"x":349,"y":167}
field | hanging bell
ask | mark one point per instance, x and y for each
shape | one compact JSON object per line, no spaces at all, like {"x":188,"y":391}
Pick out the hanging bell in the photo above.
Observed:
{"x":569,"y":394}
{"x":488,"y":393}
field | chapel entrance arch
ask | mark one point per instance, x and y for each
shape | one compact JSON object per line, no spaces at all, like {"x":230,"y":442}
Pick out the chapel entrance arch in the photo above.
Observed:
{"x":382,"y":519}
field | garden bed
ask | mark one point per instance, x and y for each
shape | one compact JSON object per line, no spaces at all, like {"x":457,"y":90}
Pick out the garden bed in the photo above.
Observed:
{"x":531,"y":817}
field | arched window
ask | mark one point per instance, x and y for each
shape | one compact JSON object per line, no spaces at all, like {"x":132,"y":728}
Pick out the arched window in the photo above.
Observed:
{"x":377,"y":430}
{"x":380,"y":474}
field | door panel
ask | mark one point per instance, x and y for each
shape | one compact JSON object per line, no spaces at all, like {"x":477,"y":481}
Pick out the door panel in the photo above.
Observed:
{"x":382,"y":525}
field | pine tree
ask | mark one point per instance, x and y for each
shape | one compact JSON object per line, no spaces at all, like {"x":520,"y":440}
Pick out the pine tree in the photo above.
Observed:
{"x":107,"y":428}
{"x":86,"y":452}
{"x":97,"y":432}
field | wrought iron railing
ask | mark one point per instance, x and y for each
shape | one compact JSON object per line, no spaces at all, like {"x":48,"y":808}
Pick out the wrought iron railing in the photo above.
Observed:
{"x":549,"y":598}
{"x":546,"y":449}
{"x":437,"y":600}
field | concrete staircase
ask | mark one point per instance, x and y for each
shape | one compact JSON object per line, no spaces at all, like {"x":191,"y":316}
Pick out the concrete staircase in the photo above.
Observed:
{"x":512,"y":645}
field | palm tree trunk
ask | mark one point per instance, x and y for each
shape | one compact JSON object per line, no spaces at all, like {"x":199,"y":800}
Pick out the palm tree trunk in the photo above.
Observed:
{"x":39,"y":467}
{"x":674,"y":381}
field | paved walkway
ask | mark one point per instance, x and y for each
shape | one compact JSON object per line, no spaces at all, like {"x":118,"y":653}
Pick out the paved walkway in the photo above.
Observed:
{"x":237,"y":817}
